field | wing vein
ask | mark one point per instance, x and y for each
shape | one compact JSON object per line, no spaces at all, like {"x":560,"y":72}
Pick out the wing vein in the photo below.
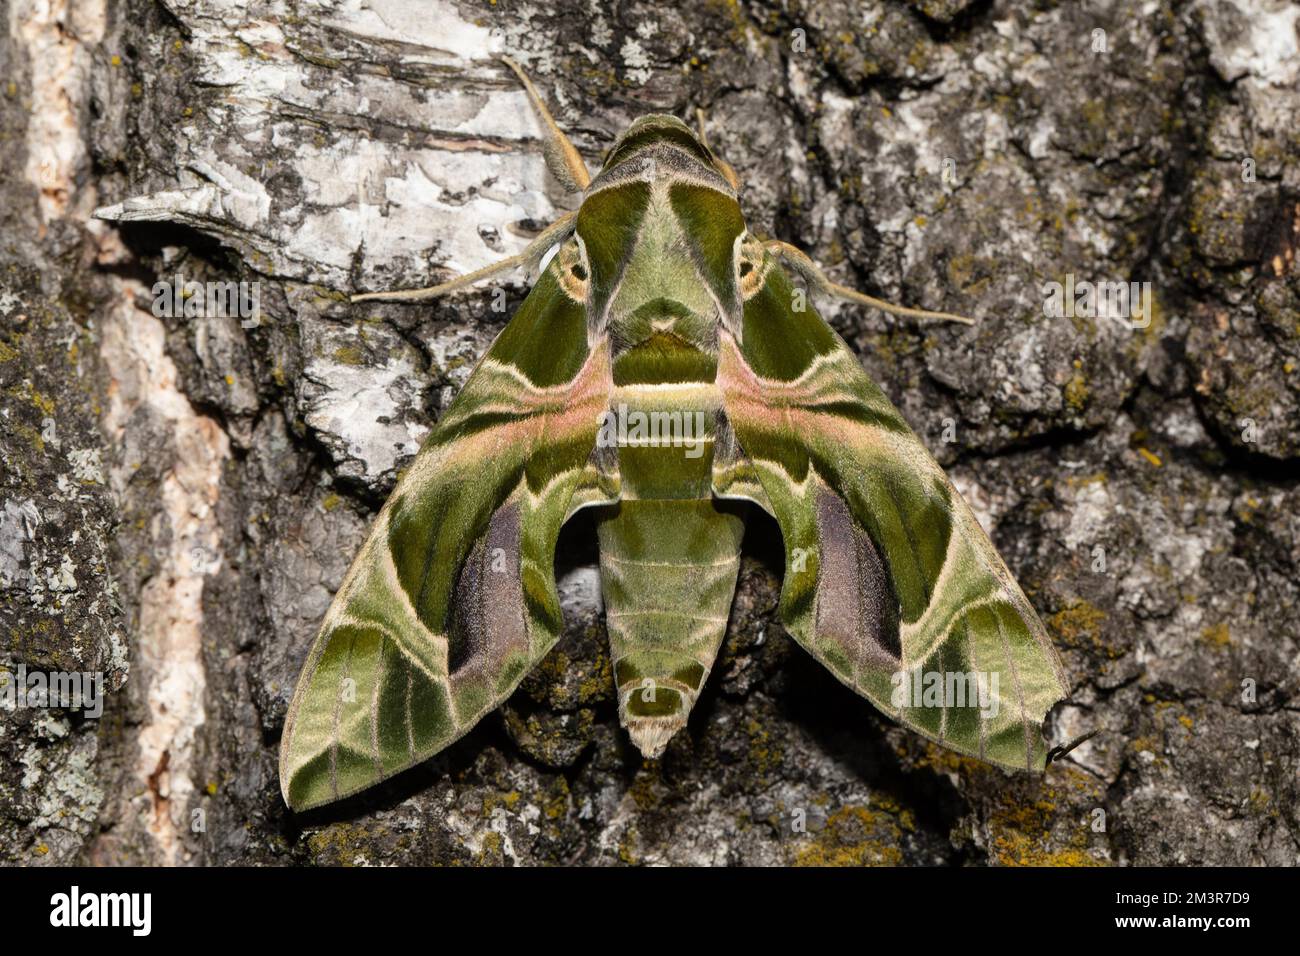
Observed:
{"x":1020,"y":694}
{"x":410,"y":725}
{"x":334,"y":732}
{"x":374,"y":706}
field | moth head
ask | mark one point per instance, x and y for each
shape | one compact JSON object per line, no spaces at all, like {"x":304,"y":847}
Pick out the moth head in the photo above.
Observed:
{"x":659,"y":145}
{"x":659,"y":223}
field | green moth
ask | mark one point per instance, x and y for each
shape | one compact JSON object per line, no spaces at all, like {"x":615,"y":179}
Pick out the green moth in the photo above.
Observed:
{"x":665,"y":371}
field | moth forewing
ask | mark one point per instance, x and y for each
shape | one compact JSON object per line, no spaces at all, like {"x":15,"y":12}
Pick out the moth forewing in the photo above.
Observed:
{"x":453,"y":599}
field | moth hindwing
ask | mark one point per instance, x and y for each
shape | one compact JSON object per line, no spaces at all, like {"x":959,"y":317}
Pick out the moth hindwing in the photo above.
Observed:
{"x":663,"y":372}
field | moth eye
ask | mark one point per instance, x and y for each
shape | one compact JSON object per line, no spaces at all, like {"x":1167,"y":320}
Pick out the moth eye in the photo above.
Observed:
{"x":751,"y":272}
{"x":573,"y":269}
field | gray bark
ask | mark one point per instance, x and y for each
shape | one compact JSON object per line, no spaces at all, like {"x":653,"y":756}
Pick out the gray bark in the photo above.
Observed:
{"x":179,"y":498}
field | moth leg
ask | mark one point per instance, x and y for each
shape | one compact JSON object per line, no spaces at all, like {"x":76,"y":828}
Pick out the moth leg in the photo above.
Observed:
{"x":562,"y":157}
{"x":802,"y":264}
{"x":724,"y":167}
{"x":530,"y":257}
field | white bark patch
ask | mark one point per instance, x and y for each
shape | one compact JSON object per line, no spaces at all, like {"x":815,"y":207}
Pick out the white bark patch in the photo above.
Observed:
{"x":353,"y":408}
{"x":1260,"y":43}
{"x":636,"y":61}
{"x":18,"y":522}
{"x":1091,"y":514}
{"x":435,"y":25}
{"x":57,"y":36}
{"x":406,"y":179}
{"x":168,"y":653}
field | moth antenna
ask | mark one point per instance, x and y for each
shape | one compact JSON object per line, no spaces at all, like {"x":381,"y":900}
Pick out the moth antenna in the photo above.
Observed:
{"x":1056,"y":753}
{"x":804,"y":265}
{"x":562,"y":157}
{"x":699,"y":124}
{"x":724,"y":167}
{"x":557,"y":231}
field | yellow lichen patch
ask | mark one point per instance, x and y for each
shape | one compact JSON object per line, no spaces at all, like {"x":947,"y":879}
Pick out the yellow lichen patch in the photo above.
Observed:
{"x":647,"y":788}
{"x":1260,"y":802}
{"x":27,"y":392}
{"x":557,"y":803}
{"x":1025,"y":833}
{"x":763,"y":751}
{"x":594,"y":687}
{"x":331,"y":501}
{"x":554,"y":666}
{"x":1080,"y":625}
{"x":7,"y":354}
{"x":1076,"y":391}
{"x":1150,"y":744}
{"x":1083,"y":480}
{"x":627,"y":846}
{"x":970,"y":273}
{"x":1150,"y":456}
{"x":349,"y":355}
{"x":1217,"y":635}
{"x":325,"y":295}
{"x":349,"y":844}
{"x":492,"y":852}
{"x":506,"y":800}
{"x":1149,"y":325}
{"x":943,"y":759}
{"x":854,"y":836}
{"x":906,"y":819}
{"x":32,"y":436}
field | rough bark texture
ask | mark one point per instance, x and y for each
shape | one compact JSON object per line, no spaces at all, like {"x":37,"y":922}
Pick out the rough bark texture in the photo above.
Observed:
{"x":180,"y":497}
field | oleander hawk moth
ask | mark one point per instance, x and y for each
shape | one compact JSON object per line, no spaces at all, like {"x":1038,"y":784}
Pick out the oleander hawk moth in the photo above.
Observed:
{"x":665,"y":371}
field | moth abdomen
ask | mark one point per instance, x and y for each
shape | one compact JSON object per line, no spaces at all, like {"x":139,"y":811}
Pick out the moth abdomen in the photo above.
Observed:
{"x":668,"y":570}
{"x":669,"y":552}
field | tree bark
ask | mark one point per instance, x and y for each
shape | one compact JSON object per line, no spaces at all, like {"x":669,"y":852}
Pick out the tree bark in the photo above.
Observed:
{"x":180,"y":497}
